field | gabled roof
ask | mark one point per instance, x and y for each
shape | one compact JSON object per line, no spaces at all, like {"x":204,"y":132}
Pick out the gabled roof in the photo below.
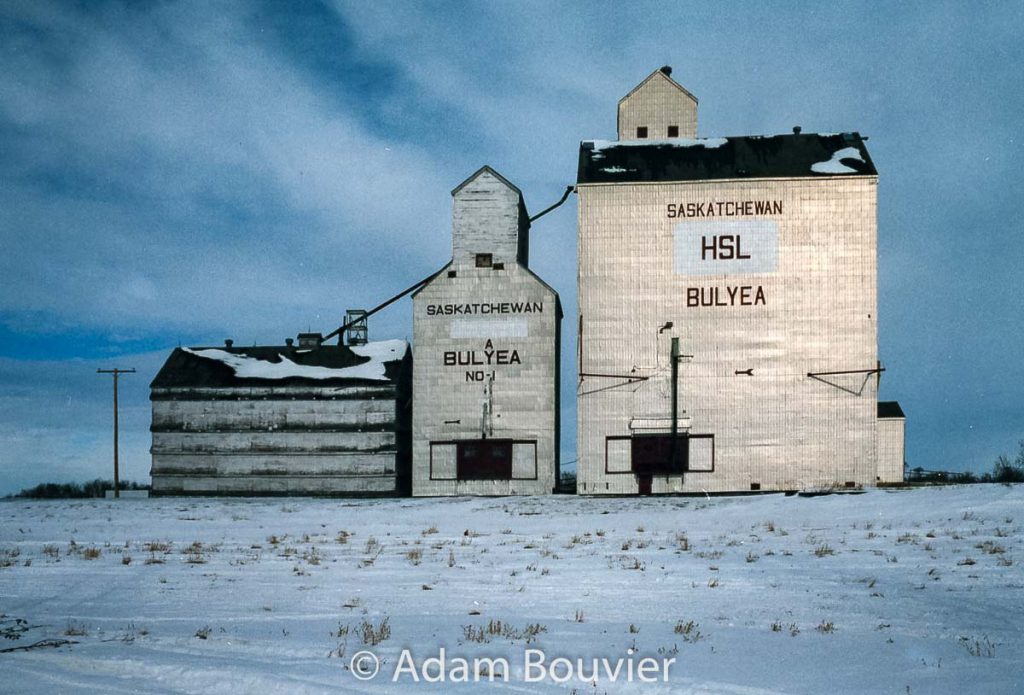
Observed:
{"x":493,"y":173}
{"x":807,"y":155}
{"x":662,"y":73}
{"x":890,"y":409}
{"x":326,"y":365}
{"x":558,"y":301}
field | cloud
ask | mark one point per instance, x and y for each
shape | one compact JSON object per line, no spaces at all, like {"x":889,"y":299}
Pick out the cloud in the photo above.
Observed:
{"x":168,"y":170}
{"x":56,"y":420}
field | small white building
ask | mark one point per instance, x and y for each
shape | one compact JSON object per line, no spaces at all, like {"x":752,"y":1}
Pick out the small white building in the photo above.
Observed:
{"x":892,"y":424}
{"x":486,"y":334}
{"x":314,"y":419}
{"x":727,"y":308}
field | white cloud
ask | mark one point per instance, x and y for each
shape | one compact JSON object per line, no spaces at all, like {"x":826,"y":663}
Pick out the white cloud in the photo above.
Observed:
{"x":173,"y":170}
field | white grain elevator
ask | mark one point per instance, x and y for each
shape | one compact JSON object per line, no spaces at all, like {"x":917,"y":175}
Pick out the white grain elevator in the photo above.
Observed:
{"x":727,"y":308}
{"x":486,"y":335}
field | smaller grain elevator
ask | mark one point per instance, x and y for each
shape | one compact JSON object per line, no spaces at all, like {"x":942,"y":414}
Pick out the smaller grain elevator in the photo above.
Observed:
{"x":486,"y":334}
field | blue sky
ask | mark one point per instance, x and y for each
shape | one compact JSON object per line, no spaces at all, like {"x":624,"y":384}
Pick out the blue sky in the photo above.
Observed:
{"x":184,"y":172}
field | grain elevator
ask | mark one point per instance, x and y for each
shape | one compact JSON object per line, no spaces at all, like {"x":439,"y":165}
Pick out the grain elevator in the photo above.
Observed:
{"x":727,"y":327}
{"x":486,"y":334}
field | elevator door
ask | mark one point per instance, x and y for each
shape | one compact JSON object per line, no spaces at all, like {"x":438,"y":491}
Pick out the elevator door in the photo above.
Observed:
{"x":484,"y":459}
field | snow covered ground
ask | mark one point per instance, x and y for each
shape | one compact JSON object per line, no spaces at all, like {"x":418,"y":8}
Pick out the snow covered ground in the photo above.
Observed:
{"x":918,"y":591}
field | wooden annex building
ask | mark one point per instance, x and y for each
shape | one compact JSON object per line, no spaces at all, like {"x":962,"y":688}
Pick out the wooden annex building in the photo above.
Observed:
{"x":312,"y":419}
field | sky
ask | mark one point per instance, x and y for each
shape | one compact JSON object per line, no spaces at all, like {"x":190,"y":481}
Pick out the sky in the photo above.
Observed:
{"x":178,"y":173}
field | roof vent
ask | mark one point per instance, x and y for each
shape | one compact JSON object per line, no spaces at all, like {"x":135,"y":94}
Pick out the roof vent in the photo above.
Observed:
{"x":310,"y":340}
{"x":666,"y":70}
{"x":228,"y":343}
{"x":796,"y":130}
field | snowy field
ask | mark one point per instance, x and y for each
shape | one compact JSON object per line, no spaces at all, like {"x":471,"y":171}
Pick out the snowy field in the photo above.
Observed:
{"x":918,"y":591}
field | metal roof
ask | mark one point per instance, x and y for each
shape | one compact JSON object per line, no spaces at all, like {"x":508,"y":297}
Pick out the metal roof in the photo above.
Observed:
{"x":805,"y":155}
{"x":890,"y":409}
{"x":191,"y":368}
{"x":487,"y":168}
{"x":660,"y":72}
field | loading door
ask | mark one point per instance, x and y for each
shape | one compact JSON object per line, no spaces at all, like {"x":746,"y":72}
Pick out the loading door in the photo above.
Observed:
{"x":484,"y":459}
{"x":654,"y":454}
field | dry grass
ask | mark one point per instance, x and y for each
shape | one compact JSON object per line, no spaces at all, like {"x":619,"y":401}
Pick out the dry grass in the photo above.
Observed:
{"x":496,"y":628}
{"x":689,"y":631}
{"x":74,"y":629}
{"x":823,"y":550}
{"x":371,"y":635}
{"x":979,"y":647}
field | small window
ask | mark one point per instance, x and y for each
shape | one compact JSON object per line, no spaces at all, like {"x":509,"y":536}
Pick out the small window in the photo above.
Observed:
{"x":641,"y":132}
{"x":451,"y":273}
{"x":673,"y":131}
{"x":755,"y":487}
{"x":499,"y":266}
{"x":484,"y":260}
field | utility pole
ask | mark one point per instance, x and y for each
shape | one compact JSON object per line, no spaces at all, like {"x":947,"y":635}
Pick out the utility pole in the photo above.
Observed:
{"x":676,"y":359}
{"x":116,"y":372}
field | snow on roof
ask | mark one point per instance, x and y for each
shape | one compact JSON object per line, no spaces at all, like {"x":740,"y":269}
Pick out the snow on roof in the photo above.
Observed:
{"x":247,"y":367}
{"x":790,"y":156}
{"x":709,"y":143}
{"x":835,"y":165}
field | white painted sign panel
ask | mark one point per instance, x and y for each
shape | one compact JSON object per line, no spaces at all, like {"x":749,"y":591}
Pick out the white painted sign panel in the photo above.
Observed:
{"x":738,"y":247}
{"x":489,"y":328}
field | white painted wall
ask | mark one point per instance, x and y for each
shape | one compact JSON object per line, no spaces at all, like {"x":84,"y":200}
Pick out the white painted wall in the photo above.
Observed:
{"x":778,"y":428}
{"x":891,"y":452}
{"x":657,"y":103}
{"x":486,"y":315}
